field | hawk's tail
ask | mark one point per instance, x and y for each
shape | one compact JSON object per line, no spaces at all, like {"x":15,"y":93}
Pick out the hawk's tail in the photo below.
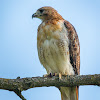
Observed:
{"x":69,"y":93}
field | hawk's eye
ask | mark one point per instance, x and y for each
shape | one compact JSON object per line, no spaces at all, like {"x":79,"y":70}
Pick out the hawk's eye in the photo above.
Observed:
{"x":41,"y":11}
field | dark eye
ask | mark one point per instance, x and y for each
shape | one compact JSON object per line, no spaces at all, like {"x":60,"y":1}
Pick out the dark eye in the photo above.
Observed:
{"x":41,"y":11}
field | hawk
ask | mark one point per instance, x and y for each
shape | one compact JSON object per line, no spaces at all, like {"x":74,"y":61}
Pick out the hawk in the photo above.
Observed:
{"x":58,"y":47}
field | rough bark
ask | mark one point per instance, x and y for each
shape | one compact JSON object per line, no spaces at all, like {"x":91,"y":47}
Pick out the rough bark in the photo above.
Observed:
{"x":20,"y":84}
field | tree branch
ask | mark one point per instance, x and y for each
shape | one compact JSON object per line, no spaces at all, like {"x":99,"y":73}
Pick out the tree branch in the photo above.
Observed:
{"x":20,"y":84}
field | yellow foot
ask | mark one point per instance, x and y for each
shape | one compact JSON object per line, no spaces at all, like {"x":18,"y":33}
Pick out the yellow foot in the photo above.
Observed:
{"x":57,"y":74}
{"x":60,"y":75}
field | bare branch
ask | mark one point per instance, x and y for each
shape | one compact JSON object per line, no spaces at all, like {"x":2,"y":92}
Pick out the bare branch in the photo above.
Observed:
{"x":20,"y":84}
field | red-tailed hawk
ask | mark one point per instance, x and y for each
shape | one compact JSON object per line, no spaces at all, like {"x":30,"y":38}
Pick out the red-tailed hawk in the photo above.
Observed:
{"x":58,"y":47}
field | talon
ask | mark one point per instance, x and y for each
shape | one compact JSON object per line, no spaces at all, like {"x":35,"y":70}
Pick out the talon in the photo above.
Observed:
{"x":55,"y":74}
{"x":50,"y":75}
{"x":60,"y":75}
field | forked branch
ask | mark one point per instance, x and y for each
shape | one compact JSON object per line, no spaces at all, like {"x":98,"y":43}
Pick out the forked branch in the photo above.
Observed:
{"x":20,"y":84}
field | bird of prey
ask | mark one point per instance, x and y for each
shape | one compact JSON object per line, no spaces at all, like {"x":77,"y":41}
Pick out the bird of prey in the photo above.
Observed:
{"x":58,"y":47}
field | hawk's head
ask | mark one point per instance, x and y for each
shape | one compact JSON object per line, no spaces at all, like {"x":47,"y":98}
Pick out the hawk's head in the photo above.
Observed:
{"x":46,"y":13}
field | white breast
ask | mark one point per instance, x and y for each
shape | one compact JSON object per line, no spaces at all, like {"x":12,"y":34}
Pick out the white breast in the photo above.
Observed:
{"x":54,"y":53}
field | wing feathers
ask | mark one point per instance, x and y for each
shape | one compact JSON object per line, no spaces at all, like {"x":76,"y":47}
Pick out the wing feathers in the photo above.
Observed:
{"x":74,"y":47}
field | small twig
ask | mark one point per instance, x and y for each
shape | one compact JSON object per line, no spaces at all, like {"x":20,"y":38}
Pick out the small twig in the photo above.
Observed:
{"x":18,"y":92}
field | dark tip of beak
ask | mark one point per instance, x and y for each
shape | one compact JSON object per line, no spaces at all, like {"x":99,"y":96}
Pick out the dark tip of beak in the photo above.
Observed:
{"x":33,"y":16}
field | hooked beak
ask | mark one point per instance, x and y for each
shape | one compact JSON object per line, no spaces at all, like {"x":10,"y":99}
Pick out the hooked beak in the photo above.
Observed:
{"x":34,"y":15}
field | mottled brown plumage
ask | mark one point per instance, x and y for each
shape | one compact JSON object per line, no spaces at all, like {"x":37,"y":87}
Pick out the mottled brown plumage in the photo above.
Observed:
{"x":74,"y":47}
{"x":58,"y":47}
